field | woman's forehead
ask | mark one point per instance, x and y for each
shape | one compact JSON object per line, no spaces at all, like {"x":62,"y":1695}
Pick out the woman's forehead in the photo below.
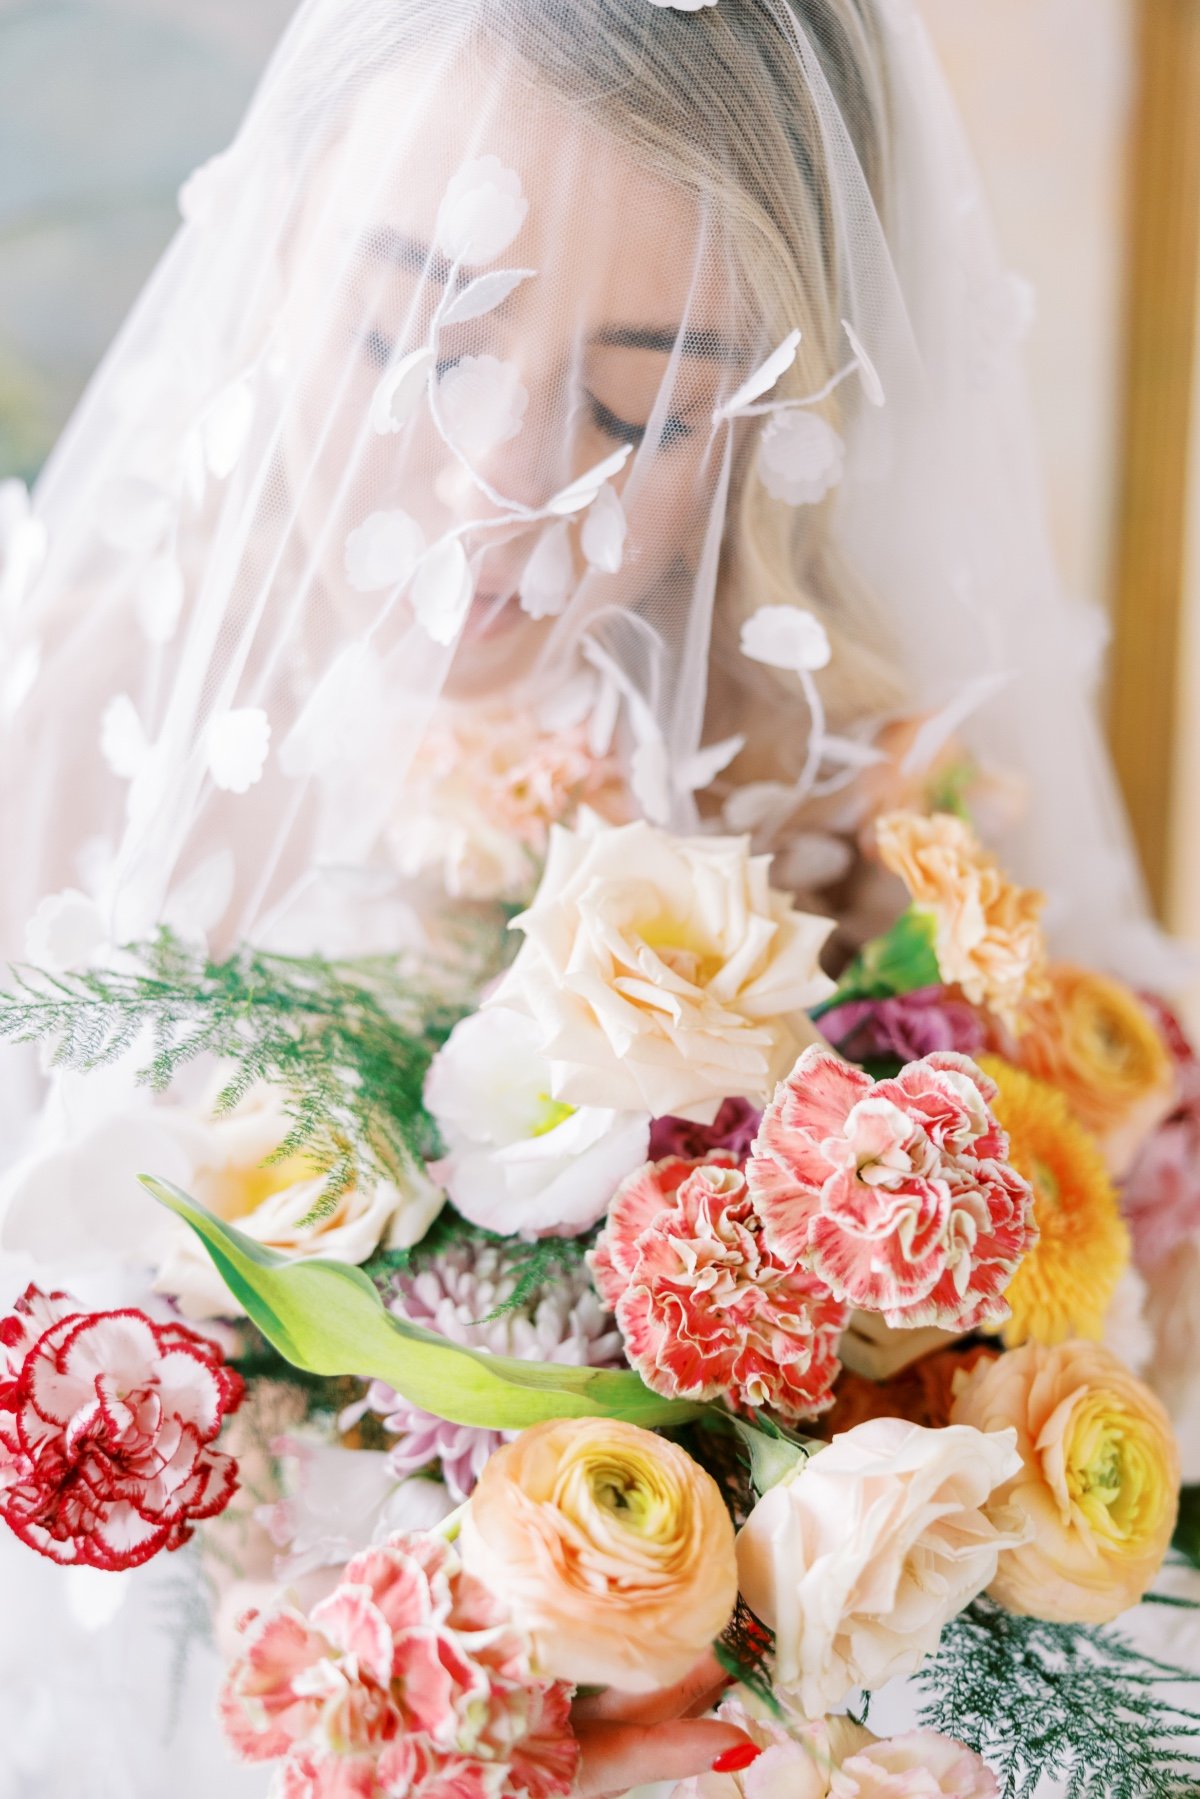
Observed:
{"x":612,"y":242}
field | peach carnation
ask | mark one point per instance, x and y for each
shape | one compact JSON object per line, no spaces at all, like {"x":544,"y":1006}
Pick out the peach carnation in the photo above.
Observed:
{"x":1066,"y":1283}
{"x":1092,"y":1038}
{"x":407,"y":1682}
{"x":705,"y":1309}
{"x":897,"y":1194}
{"x":612,"y":1548}
{"x":1098,"y":1485}
{"x":988,"y":934}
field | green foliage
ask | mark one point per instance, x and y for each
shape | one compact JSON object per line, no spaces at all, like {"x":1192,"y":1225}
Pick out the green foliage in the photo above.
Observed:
{"x":1079,"y":1705}
{"x":745,"y":1650}
{"x":347,"y":1042}
{"x":903,"y":960}
{"x":1187,"y":1530}
{"x":328,"y":1318}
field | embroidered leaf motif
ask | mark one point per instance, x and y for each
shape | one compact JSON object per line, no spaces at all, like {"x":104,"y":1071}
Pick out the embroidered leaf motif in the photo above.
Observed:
{"x":764,"y":377}
{"x":442,"y":591}
{"x":399,"y":391}
{"x":484,"y":294}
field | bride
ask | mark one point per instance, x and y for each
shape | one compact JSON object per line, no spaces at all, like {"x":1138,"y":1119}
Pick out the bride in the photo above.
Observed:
{"x":545,"y":403}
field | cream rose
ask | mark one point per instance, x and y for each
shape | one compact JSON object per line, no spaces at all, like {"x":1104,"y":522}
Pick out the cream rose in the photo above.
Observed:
{"x":1098,"y":1482}
{"x":859,"y":1558}
{"x":611,"y":1547}
{"x":664,"y":973}
{"x":270,"y":1202}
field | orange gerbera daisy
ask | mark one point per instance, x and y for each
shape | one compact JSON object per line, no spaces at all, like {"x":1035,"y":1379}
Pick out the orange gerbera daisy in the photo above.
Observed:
{"x":1064,"y":1285}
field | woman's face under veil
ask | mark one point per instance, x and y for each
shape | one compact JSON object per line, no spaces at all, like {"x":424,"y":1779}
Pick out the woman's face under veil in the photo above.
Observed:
{"x":492,"y":298}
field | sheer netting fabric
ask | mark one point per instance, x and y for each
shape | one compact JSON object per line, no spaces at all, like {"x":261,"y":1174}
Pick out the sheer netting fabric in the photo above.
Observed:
{"x":619,"y":395}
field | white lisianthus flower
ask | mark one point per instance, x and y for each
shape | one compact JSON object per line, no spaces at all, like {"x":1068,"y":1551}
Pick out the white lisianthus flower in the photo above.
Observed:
{"x":271,"y":1203}
{"x":519,"y":1161}
{"x":664,"y":973}
{"x":860,"y":1557}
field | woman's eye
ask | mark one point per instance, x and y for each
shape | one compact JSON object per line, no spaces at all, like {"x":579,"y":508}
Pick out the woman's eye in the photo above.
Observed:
{"x":376,"y":348}
{"x":623,"y":431}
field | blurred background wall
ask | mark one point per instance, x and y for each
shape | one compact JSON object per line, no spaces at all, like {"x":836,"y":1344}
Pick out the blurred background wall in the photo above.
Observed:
{"x":106,"y":104}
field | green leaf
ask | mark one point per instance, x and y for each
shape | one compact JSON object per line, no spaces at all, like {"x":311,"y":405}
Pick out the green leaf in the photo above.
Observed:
{"x":773,"y":1456}
{"x":328,"y":1318}
{"x":1187,"y":1531}
{"x":902,"y":961}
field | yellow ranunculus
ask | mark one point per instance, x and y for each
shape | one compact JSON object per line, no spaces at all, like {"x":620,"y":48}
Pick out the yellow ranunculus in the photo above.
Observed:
{"x":1100,"y":1483}
{"x":1092,"y":1038}
{"x":612,"y":1548}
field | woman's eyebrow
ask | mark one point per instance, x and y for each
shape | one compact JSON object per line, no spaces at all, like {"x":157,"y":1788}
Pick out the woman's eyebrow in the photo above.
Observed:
{"x":710,"y":345}
{"x":390,"y":245}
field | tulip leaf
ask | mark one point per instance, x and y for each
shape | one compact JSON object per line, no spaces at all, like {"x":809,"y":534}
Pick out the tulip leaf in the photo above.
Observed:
{"x":328,"y":1318}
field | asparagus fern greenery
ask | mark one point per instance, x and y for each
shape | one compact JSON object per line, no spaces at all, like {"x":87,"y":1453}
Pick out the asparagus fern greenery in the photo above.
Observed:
{"x":347,"y":1042}
{"x":1079,"y":1705}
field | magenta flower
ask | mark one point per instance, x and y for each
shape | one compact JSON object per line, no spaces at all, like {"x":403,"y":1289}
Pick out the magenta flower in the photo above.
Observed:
{"x":906,"y":1027}
{"x":733,"y":1129}
{"x":107,"y":1421}
{"x":705,"y":1309}
{"x":407,"y":1682}
{"x":1161,"y":1194}
{"x":897,"y":1194}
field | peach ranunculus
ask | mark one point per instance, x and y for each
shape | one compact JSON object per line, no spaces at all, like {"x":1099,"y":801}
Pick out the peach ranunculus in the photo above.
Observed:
{"x":988,"y":934}
{"x":859,"y":1558}
{"x":1094,"y":1040}
{"x":272,"y":1202}
{"x":612,"y":1548}
{"x":1098,"y":1483}
{"x":665,"y":973}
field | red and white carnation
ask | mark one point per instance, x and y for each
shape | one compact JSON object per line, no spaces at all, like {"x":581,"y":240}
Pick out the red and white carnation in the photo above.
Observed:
{"x":407,"y":1682}
{"x":107,"y":1421}
{"x":897,"y":1194}
{"x":705,"y":1308}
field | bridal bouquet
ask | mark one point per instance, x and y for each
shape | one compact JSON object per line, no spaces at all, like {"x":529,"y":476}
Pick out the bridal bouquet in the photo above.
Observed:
{"x":641,"y":1314}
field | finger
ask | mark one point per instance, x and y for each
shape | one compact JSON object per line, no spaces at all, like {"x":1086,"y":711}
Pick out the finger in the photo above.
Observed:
{"x":619,"y":1756}
{"x":694,"y":1693}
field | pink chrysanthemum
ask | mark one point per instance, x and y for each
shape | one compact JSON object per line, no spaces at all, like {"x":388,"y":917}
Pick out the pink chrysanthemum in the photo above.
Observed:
{"x":407,"y":1682}
{"x":897,"y":1194}
{"x":455,"y":1294}
{"x":107,"y":1421}
{"x":704,"y":1307}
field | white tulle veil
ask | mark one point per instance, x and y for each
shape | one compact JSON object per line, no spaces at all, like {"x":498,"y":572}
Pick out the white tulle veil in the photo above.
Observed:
{"x":470,"y":388}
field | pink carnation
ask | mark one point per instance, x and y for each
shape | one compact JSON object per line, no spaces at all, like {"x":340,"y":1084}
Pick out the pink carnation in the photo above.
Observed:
{"x":704,"y":1307}
{"x":897,"y":1194}
{"x":1161,"y":1195}
{"x":407,"y":1682}
{"x":106,"y":1426}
